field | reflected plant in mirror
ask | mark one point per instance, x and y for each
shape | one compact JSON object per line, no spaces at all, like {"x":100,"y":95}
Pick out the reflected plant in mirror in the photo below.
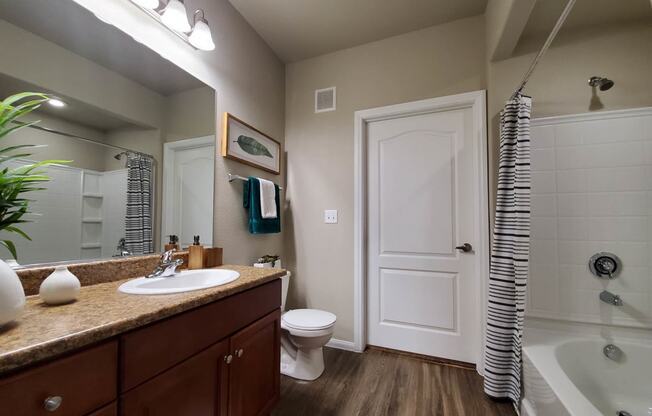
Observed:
{"x":15,"y":182}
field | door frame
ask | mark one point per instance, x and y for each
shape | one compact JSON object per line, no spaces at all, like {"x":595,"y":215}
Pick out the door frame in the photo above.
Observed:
{"x":169,"y":153}
{"x":475,"y":100}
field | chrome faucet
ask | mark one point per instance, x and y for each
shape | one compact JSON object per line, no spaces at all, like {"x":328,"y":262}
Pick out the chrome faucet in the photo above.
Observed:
{"x":610,"y":298}
{"x":167,"y":266}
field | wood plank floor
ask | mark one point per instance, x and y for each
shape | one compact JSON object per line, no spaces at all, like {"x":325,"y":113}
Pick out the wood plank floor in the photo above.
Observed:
{"x":385,"y":383}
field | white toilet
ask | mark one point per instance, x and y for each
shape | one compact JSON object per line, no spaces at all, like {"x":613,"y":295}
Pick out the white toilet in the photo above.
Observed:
{"x":304,"y":333}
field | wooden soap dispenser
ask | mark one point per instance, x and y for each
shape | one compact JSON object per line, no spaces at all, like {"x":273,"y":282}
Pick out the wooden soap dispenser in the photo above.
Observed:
{"x":195,"y":254}
{"x":173,"y":244}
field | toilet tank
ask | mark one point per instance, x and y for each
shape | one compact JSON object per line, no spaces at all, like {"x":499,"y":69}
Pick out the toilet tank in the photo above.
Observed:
{"x":285,"y":282}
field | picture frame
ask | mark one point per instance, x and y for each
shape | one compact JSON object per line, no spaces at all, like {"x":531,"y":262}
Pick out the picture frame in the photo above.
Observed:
{"x":246,"y":144}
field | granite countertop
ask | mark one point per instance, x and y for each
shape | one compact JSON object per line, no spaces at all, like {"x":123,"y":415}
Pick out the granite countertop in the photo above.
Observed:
{"x":102,"y":312}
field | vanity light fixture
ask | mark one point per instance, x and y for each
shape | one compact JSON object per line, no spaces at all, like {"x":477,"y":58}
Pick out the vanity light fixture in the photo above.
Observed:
{"x":148,"y":4}
{"x":175,"y":16}
{"x":56,"y":102}
{"x":172,"y":14}
{"x":201,"y":37}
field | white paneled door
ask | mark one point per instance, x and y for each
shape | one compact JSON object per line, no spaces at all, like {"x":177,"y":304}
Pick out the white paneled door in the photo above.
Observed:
{"x":422,"y":285}
{"x":188,"y":190}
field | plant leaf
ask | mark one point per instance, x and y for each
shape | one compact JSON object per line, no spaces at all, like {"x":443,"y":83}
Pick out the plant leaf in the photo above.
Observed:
{"x":11,"y":247}
{"x":18,"y":231}
{"x":253,"y":146}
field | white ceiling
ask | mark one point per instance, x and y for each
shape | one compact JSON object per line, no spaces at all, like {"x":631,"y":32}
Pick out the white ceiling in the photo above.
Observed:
{"x":78,"y":30}
{"x":300,"y":29}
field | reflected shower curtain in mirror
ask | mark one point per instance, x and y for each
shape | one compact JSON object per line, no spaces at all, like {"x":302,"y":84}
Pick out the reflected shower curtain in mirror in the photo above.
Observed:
{"x":138,"y":221}
{"x":509,"y":254}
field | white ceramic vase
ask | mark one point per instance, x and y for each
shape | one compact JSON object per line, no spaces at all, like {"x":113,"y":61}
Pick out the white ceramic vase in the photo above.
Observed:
{"x":12,"y":295}
{"x":61,"y":286}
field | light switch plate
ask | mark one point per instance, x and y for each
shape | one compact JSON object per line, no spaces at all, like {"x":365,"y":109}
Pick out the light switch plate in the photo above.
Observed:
{"x":330,"y":216}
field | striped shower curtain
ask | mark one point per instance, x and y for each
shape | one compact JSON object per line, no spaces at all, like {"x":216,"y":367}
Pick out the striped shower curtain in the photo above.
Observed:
{"x":509,"y":254}
{"x":138,"y":221}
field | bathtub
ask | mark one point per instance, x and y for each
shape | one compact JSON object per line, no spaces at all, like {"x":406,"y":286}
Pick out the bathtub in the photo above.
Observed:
{"x":565,"y":375}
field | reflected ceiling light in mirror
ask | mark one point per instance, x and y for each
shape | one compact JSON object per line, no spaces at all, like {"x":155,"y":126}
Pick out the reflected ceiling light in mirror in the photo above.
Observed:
{"x":201,"y":37}
{"x":148,"y":4}
{"x":56,"y":102}
{"x":174,"y":15}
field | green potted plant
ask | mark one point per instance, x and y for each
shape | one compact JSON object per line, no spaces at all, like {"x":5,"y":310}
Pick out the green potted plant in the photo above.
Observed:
{"x":14,"y":184}
{"x":268,"y":261}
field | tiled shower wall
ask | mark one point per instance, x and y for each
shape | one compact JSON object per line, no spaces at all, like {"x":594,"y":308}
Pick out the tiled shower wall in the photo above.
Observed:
{"x":591,"y":192}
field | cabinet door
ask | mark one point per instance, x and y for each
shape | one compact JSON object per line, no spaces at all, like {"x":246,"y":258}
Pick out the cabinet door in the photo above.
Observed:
{"x":254,"y":383}
{"x":81,"y":382}
{"x":197,"y":387}
{"x":110,"y":410}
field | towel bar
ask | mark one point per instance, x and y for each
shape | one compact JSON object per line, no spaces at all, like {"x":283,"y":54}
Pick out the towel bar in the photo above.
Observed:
{"x":233,"y":177}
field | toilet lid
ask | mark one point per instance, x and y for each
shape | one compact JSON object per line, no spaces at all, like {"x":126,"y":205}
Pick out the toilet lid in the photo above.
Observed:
{"x":309,"y":319}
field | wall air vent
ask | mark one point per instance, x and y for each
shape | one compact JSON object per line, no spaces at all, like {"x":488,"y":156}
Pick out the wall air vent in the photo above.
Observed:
{"x":325,"y":100}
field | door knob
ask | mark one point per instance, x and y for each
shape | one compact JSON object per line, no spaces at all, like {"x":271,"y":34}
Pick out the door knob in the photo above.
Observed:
{"x":228,"y":359}
{"x":466,"y":247}
{"x":239,"y":353}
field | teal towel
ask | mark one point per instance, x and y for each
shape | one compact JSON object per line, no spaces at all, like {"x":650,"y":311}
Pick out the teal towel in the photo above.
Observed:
{"x":251,"y":201}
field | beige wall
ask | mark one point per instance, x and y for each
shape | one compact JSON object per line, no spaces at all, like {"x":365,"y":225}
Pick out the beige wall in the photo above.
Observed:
{"x":189,"y":114}
{"x":559,"y":84}
{"x":83,"y":155}
{"x":437,"y":61}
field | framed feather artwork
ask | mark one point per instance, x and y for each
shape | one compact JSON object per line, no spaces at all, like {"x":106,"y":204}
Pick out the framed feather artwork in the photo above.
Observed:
{"x":248,"y":145}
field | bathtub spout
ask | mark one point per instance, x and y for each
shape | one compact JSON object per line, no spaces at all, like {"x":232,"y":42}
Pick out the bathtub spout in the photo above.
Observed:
{"x":610,"y":298}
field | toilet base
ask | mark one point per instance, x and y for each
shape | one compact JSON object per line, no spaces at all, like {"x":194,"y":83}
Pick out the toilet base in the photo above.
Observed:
{"x":302,"y":364}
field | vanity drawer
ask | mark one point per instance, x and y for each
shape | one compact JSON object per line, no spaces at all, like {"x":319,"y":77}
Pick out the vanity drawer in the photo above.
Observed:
{"x":149,"y":351}
{"x":84,"y":381}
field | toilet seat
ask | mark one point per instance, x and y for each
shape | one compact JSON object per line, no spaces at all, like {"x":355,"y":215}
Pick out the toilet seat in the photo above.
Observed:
{"x":308,"y":320}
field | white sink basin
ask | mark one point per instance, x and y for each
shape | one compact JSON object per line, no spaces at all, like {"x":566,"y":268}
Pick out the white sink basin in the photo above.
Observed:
{"x":184,"y":281}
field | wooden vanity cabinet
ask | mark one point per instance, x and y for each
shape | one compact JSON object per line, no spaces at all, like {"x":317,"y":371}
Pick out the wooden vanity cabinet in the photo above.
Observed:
{"x":222,"y":358}
{"x":238,"y":376}
{"x":254,"y":373}
{"x":197,"y":386}
{"x":109,"y":410}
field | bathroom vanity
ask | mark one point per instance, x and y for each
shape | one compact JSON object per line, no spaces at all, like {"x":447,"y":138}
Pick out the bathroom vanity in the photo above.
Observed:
{"x":209,"y":352}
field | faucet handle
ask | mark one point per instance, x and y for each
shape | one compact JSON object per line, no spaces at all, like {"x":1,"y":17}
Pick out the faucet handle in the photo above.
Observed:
{"x":166,"y":257}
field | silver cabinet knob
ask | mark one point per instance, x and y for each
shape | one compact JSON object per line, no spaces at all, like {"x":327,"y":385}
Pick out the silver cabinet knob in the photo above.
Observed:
{"x":239,"y":352}
{"x":228,"y":359}
{"x":52,"y":403}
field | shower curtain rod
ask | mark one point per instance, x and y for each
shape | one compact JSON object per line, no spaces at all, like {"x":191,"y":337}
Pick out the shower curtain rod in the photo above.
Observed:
{"x":74,"y":136}
{"x":544,"y":48}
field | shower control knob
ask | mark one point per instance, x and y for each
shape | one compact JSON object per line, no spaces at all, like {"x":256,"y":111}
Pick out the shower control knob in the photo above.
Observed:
{"x":605,"y":265}
{"x":466,"y":248}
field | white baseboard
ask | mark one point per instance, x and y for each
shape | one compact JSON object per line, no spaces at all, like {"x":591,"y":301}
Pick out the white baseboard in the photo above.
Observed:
{"x":342,"y":345}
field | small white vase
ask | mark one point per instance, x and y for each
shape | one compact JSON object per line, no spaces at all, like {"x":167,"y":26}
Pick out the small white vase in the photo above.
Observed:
{"x":59,"y":287}
{"x":12,"y":295}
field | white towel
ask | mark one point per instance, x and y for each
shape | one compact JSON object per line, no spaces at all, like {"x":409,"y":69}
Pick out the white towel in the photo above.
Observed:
{"x":267,"y":199}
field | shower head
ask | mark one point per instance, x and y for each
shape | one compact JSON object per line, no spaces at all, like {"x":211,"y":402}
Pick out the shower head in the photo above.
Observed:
{"x":118,"y":156}
{"x":601,"y":82}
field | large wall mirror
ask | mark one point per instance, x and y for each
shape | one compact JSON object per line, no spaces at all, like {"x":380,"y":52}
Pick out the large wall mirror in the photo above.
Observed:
{"x":138,"y":131}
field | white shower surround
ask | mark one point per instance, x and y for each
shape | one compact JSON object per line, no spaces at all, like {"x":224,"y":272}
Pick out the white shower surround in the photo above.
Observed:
{"x":57,"y":228}
{"x":591,"y":192}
